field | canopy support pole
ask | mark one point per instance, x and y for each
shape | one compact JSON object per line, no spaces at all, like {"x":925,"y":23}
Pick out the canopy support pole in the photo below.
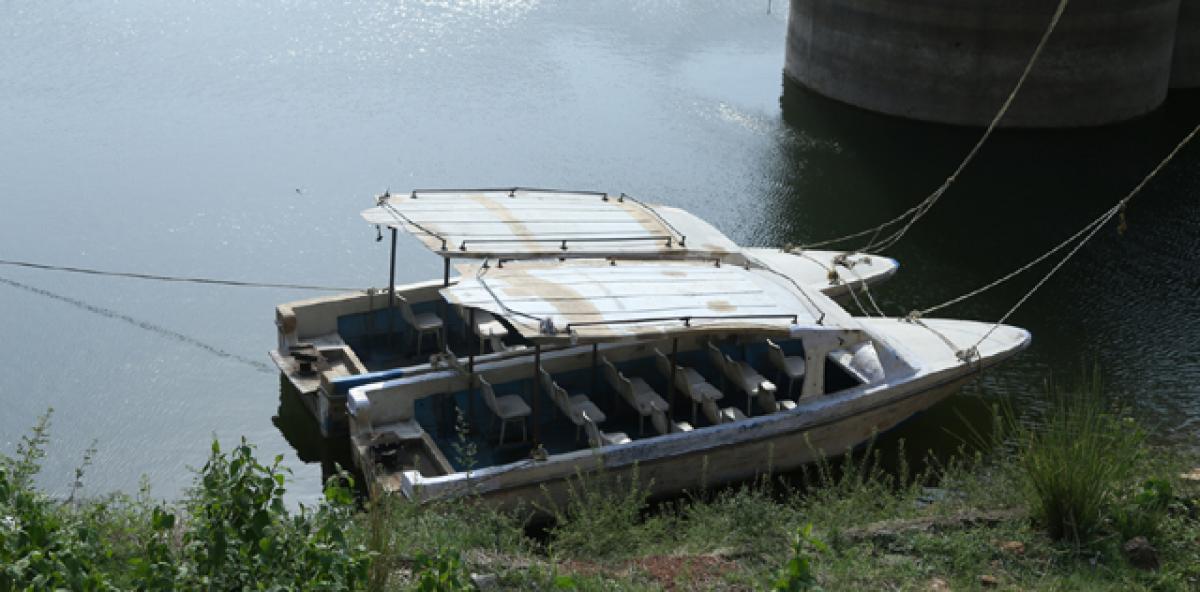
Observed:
{"x":392,"y":291}
{"x":443,"y":305}
{"x":671,"y":386}
{"x":471,"y":375}
{"x":595,"y":363}
{"x":537,"y":368}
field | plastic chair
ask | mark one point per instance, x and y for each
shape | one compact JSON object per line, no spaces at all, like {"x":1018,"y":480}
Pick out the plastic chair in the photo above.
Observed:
{"x":422,"y":323}
{"x":790,"y":366}
{"x":507,"y":408}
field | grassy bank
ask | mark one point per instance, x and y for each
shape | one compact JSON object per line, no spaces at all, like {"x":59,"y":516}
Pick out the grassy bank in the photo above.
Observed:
{"x":1053,"y":506}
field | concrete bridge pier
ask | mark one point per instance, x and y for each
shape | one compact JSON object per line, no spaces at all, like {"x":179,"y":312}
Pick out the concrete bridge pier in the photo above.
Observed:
{"x":1185,"y":69}
{"x":955,"y":61}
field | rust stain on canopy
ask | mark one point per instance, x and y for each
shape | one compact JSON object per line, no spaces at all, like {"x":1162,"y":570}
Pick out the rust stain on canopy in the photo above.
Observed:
{"x":585,"y":301}
{"x":515,"y":225}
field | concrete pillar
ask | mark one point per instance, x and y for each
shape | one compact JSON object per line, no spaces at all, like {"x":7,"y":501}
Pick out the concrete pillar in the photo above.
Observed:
{"x":1185,"y":67}
{"x":955,"y":61}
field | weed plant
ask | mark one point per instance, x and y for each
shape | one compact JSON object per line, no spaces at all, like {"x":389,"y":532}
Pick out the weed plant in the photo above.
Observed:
{"x":1083,"y":468}
{"x":232,"y":532}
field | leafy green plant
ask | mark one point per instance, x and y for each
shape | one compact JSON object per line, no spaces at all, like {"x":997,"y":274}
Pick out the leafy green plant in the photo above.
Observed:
{"x":241,"y":535}
{"x":465,"y":450}
{"x":442,"y":571}
{"x":600,"y":516}
{"x":798,"y":573}
{"x":1143,"y":512}
{"x":44,"y":545}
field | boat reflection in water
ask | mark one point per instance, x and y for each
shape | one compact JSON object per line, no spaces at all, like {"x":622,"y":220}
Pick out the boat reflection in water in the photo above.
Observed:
{"x":296,"y":425}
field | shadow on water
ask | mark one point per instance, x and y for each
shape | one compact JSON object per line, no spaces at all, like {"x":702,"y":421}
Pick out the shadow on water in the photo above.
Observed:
{"x":300,"y":429}
{"x":1127,"y":301}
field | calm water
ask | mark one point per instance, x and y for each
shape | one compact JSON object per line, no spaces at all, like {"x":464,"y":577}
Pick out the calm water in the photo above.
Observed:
{"x":240,"y":140}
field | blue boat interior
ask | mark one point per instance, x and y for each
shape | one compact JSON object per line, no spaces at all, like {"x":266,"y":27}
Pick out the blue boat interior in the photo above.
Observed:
{"x":467,"y":432}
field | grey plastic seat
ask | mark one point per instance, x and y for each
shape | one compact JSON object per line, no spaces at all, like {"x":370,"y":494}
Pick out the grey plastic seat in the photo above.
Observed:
{"x":597,"y":438}
{"x":489,"y":330}
{"x":693,"y":386}
{"x":507,"y":408}
{"x":422,"y":323}
{"x":571,"y":405}
{"x":639,"y":395}
{"x":790,"y":366}
{"x":746,"y":379}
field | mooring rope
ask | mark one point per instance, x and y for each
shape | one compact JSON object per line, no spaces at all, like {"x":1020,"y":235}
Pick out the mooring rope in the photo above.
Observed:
{"x":1095,"y":226}
{"x":1080,"y":238}
{"x":144,"y":325}
{"x":172,"y":278}
{"x":918,"y":211}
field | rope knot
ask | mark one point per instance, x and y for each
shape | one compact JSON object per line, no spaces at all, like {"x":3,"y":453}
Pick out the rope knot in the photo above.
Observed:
{"x":968,"y":355}
{"x":912,"y":316}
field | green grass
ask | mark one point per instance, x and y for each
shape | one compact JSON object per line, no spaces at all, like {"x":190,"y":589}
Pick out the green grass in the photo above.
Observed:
{"x":1082,"y":464}
{"x":1049,"y":508}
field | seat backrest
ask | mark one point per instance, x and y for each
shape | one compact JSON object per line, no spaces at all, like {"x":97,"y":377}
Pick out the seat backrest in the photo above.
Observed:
{"x":406,"y":310}
{"x":547,"y":381}
{"x":617,"y":380}
{"x":682,"y":383}
{"x":663,"y":362}
{"x":732,"y":369}
{"x":563,"y":400}
{"x":776,"y":354}
{"x":717,"y":357}
{"x":611,"y":374}
{"x":489,"y":395}
{"x":592,"y":431}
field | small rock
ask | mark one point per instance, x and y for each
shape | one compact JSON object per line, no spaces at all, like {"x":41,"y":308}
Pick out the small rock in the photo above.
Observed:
{"x":1192,"y":475}
{"x":988,"y":581}
{"x":1140,"y":553}
{"x":939,"y":585}
{"x":485,"y":582}
{"x":1013,"y":547}
{"x":894,"y":559}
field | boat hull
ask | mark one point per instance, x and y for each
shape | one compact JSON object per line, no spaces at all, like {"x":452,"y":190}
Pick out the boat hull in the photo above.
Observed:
{"x":687,"y":462}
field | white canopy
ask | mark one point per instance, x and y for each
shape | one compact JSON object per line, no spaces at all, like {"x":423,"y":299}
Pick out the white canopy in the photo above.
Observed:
{"x":590,"y":301}
{"x":534,"y":223}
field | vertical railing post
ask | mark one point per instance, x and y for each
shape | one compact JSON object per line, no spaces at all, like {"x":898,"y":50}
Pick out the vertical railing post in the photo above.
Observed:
{"x":471,"y":376}
{"x":537,"y":368}
{"x":671,"y":387}
{"x":392,"y":291}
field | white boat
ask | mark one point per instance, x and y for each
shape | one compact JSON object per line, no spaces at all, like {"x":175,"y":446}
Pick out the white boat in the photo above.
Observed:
{"x":690,"y":373}
{"x":330,"y":344}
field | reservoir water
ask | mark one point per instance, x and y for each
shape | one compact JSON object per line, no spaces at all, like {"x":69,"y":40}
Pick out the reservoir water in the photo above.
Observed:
{"x":240,"y":140}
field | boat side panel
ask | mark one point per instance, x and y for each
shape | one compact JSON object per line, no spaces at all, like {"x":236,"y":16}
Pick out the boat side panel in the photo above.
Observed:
{"x":735,"y":462}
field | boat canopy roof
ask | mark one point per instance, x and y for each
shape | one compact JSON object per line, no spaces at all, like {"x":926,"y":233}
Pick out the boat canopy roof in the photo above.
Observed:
{"x":588,"y":301}
{"x":522,"y":223}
